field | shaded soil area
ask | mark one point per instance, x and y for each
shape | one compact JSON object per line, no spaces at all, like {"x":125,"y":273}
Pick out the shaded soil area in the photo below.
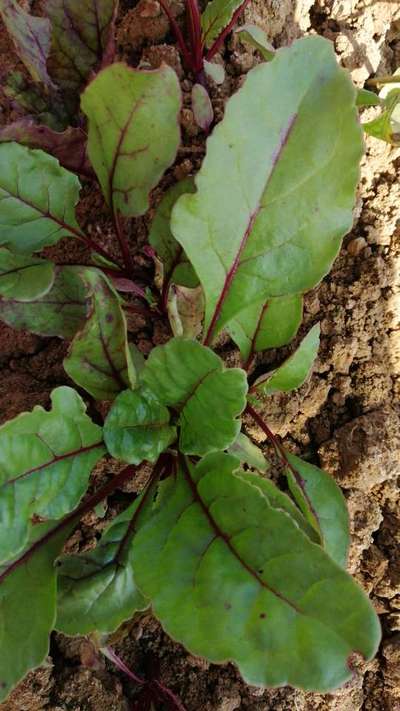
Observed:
{"x":346,"y":415}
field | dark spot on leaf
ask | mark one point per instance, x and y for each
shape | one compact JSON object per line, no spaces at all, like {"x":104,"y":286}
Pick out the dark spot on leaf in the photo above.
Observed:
{"x":263,"y":616}
{"x":227,"y":605}
{"x":109,"y":318}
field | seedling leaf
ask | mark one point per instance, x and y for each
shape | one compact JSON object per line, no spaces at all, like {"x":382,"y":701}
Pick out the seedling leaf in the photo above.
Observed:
{"x":257,"y":38}
{"x":60,"y":312}
{"x":216,"y":17}
{"x":137,"y":427}
{"x":233,"y":578}
{"x":37,"y":199}
{"x":295,"y":370}
{"x":209,"y":398}
{"x":202,"y":107}
{"x":133,"y":132}
{"x":288,"y":212}
{"x":45,"y":462}
{"x":24,"y":278}
{"x":386,"y":126}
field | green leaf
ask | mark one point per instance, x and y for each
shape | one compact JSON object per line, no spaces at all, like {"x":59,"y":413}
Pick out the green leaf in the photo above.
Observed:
{"x":257,"y":38}
{"x":45,"y":462}
{"x":177,"y":268}
{"x":28,"y":606}
{"x":233,"y":578}
{"x":269,"y":324}
{"x":137,"y":427}
{"x":323,"y":505}
{"x":80,"y":33}
{"x":61,"y":312}
{"x":31,"y":37}
{"x":96,"y":590}
{"x":209,"y":398}
{"x":289,"y":210}
{"x":47,"y":106}
{"x":248,"y":453}
{"x":186,"y":311}
{"x":99,"y":359}
{"x":133,"y":132}
{"x":367,"y":98}
{"x":24,"y":278}
{"x":202,"y":107}
{"x":295,"y":370}
{"x":386,"y":126}
{"x":37,"y":199}
{"x":216,"y":17}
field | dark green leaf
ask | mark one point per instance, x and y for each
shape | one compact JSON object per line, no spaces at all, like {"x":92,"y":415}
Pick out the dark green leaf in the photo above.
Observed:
{"x":233,"y":578}
{"x":192,"y":379}
{"x":24,"y":278}
{"x":99,"y":359}
{"x":133,"y":132}
{"x":45,"y":462}
{"x":137,"y":427}
{"x":61,"y":312}
{"x":37,"y":199}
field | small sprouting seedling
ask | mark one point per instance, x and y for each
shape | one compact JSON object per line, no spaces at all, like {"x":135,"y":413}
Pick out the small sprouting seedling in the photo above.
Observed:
{"x":232,"y":566}
{"x":386,"y":126}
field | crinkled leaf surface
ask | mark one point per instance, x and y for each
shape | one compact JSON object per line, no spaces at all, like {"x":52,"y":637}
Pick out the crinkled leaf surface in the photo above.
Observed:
{"x":248,"y":453}
{"x":257,"y":38}
{"x":99,"y":359}
{"x":133,"y":132}
{"x":45,"y":462}
{"x":80,"y":32}
{"x":186,"y":311}
{"x":177,"y":267}
{"x":28,"y":606}
{"x":323,"y":504}
{"x":295,"y":370}
{"x":60,"y":312}
{"x":37,"y":199}
{"x":233,"y":578}
{"x":96,"y":590}
{"x":288,"y":208}
{"x":269,"y":324}
{"x":23,"y":277}
{"x":193,"y":380}
{"x":216,"y":17}
{"x":137,"y":427}
{"x":31,"y":37}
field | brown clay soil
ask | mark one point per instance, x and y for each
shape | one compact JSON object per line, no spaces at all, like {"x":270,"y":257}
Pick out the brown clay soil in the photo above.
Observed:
{"x":347,"y":414}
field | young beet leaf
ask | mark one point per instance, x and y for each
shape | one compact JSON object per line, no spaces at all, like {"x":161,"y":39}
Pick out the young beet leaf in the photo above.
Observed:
{"x":216,"y":17}
{"x":99,"y":359}
{"x":24,"y":278}
{"x":133,"y":132}
{"x":208,"y":397}
{"x":45,"y":462}
{"x":234,"y":579}
{"x":287,"y":212}
{"x":35,"y":213}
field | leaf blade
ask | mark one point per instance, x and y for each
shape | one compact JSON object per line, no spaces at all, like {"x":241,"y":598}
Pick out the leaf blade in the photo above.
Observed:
{"x":24,"y":278}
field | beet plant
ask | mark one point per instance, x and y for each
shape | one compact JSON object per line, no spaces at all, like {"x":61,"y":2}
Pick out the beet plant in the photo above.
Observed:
{"x":234,"y":568}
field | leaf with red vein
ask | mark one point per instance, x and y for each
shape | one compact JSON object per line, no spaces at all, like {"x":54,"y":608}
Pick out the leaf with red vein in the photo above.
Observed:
{"x":216,"y":17}
{"x":80,"y":32}
{"x":31,"y":38}
{"x":45,"y":462}
{"x":99,"y":359}
{"x":133,"y":132}
{"x":276,"y":190}
{"x":233,"y":578}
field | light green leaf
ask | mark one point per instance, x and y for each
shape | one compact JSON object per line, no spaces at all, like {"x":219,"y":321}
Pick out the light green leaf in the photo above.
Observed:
{"x":202,"y":107}
{"x":216,"y":17}
{"x":80,"y":33}
{"x":367,"y":98}
{"x":386,"y":126}
{"x":186,"y":311}
{"x":295,"y":370}
{"x":24,"y":278}
{"x":233,"y":578}
{"x":256,"y":37}
{"x":133,"y":132}
{"x":28,"y":606}
{"x":177,"y":268}
{"x":31,"y":37}
{"x":137,"y":427}
{"x":248,"y":453}
{"x":61,"y":312}
{"x":96,"y":590}
{"x":45,"y":462}
{"x":323,"y":505}
{"x":209,"y":398}
{"x":99,"y":359}
{"x":288,"y":209}
{"x":269,"y":324}
{"x":37,"y":199}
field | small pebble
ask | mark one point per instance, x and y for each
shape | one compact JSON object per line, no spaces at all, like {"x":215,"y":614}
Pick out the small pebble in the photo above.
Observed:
{"x":356,"y":246}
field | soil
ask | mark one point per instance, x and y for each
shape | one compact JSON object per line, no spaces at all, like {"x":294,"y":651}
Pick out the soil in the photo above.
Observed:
{"x":346,"y":415}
